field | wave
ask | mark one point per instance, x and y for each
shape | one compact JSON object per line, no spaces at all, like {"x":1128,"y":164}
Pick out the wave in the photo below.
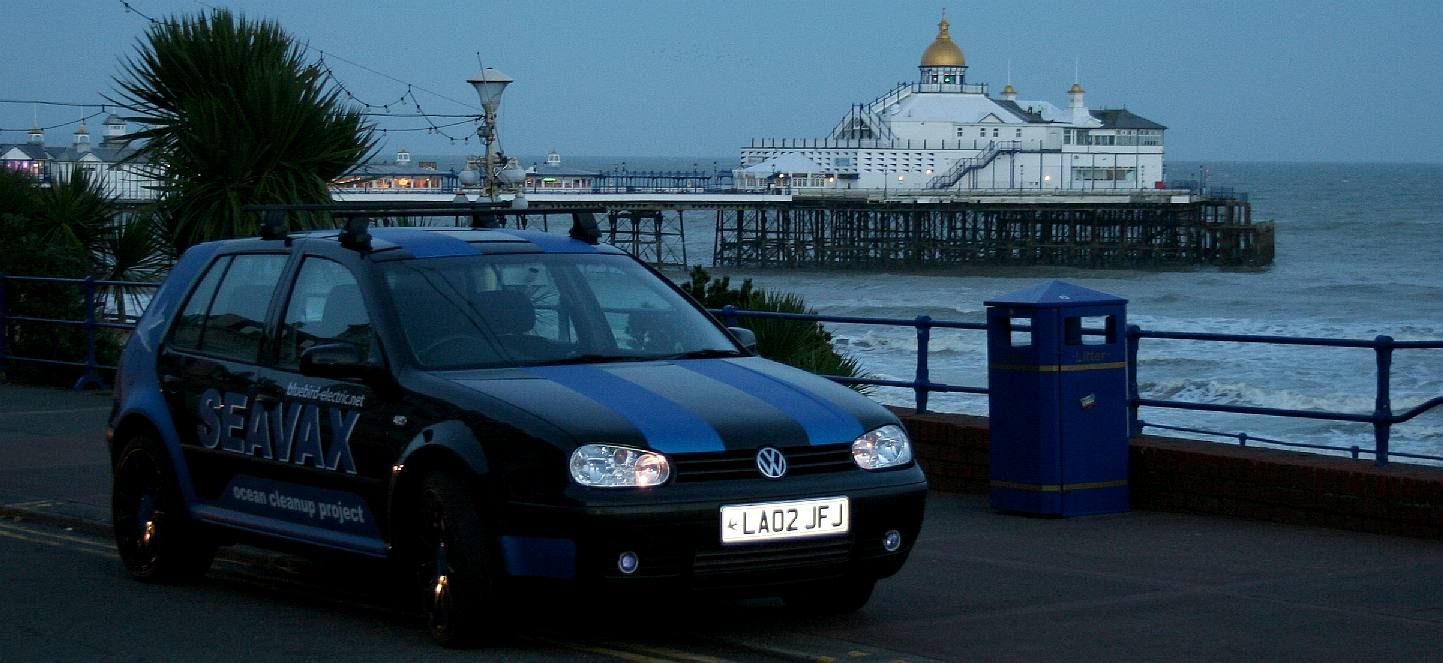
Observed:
{"x":1247,"y":394}
{"x":903,"y":340}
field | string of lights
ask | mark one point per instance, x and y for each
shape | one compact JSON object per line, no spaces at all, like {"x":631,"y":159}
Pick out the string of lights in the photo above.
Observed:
{"x":369,"y":109}
{"x":58,"y":126}
{"x":132,"y":10}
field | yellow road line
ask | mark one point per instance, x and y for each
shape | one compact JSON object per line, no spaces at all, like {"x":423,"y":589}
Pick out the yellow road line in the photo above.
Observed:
{"x":54,"y":541}
{"x":604,"y":651}
{"x":671,"y":654}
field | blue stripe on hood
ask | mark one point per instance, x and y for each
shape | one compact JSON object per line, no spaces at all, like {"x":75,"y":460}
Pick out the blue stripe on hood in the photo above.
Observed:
{"x":824,"y":422}
{"x":667,"y":426}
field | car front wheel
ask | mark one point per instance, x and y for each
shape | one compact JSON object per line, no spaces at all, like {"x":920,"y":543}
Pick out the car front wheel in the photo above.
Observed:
{"x":456,"y":566}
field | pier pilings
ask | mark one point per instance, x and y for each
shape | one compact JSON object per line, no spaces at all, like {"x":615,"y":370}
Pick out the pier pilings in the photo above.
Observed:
{"x":919,"y":235}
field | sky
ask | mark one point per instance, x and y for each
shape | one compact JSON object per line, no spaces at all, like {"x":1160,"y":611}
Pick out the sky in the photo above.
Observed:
{"x":1233,"y":80}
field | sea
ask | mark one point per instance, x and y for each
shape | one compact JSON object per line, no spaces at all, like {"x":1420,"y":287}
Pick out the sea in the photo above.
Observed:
{"x":1359,"y":254}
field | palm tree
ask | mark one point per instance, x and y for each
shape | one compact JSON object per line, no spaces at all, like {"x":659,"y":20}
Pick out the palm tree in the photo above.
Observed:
{"x":132,"y":248}
{"x":75,"y":212}
{"x":235,"y":116}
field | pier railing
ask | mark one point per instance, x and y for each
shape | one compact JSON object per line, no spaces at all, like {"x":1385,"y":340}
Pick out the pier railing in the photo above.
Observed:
{"x":1382,"y":418}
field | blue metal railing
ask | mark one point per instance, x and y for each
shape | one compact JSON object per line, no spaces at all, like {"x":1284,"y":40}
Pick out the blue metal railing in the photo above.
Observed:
{"x":1382,"y":418}
{"x":90,"y":377}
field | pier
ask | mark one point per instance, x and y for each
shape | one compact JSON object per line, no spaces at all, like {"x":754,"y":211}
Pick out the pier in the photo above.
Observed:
{"x":919,"y":235}
{"x":1154,"y":229}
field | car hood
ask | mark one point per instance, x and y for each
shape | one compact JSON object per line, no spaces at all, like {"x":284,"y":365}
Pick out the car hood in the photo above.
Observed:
{"x":685,"y":406}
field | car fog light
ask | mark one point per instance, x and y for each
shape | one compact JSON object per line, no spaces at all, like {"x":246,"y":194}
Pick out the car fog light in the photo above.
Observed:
{"x":892,"y":540}
{"x":627,"y":562}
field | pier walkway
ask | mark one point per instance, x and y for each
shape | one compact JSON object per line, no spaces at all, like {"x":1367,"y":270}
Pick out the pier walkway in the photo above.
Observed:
{"x":980,"y":585}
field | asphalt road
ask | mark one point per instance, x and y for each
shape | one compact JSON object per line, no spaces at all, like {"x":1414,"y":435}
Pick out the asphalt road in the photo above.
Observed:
{"x":66,"y":598}
{"x":980,"y":586}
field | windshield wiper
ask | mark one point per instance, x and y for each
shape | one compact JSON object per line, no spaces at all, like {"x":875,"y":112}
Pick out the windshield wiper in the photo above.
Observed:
{"x":709,"y":353}
{"x":590,"y":359}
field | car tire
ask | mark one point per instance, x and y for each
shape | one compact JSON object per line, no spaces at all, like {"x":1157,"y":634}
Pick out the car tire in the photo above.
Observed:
{"x":156,"y":539}
{"x":456,"y":563}
{"x":833,"y":597}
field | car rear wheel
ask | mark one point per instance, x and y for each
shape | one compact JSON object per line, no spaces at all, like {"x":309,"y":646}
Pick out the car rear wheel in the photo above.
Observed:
{"x":157,"y":542}
{"x":455,"y":563}
{"x":832,"y":597}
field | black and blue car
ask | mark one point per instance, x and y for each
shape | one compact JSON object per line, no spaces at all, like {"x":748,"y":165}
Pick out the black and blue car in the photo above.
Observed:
{"x":488,"y":406}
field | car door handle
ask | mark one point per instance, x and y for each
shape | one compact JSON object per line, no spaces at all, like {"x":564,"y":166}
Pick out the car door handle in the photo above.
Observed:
{"x":170,"y":383}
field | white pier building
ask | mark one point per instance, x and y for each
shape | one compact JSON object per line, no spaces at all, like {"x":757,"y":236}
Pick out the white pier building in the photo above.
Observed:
{"x":943,"y":135}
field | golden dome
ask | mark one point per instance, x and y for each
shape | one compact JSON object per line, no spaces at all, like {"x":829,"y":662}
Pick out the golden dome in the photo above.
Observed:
{"x":943,"y":52}
{"x":1076,"y":89}
{"x":1009,"y":89}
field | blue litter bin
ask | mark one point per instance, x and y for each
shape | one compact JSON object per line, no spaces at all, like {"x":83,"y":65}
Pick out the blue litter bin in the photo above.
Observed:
{"x":1057,"y":380}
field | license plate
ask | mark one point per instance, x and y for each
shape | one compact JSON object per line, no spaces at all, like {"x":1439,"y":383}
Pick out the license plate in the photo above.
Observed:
{"x":770,"y":521}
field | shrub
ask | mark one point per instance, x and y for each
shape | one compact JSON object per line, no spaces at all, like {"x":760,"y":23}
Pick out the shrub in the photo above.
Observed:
{"x":44,"y":230}
{"x":805,"y":345}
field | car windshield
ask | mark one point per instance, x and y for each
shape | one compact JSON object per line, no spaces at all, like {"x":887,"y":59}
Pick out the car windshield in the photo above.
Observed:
{"x":549,"y":308}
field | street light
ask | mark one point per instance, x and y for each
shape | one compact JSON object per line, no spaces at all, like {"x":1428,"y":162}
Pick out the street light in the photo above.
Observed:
{"x":489,"y":84}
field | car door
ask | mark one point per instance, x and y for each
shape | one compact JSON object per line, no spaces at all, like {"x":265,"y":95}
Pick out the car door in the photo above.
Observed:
{"x":208,"y":364}
{"x":331,"y":443}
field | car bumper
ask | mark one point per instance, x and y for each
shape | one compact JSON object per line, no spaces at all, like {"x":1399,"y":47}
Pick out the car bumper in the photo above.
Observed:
{"x":677,"y":540}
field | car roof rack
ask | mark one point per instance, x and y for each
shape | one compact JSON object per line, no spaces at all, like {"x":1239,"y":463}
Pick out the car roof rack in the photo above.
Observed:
{"x":584,"y":226}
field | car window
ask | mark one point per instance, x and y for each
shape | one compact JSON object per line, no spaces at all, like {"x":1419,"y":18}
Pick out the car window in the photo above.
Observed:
{"x":325,"y":307}
{"x":235,"y":322}
{"x":638,"y":311}
{"x":531,"y":309}
{"x":188,"y":326}
{"x":536,"y":281}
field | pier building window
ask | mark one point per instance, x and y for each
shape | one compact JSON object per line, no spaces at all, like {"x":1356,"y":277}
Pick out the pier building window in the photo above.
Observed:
{"x":1100,"y":174}
{"x":996,"y":133}
{"x":1019,"y":133}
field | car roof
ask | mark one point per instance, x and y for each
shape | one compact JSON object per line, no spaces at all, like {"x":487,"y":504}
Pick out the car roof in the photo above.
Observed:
{"x":418,"y":242}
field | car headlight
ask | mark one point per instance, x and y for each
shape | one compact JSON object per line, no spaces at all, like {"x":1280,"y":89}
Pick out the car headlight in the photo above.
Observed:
{"x":881,"y":448}
{"x":606,"y":466}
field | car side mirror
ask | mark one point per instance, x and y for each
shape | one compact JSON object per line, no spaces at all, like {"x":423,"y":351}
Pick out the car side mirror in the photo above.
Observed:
{"x":745,"y":336}
{"x":335,"y":360}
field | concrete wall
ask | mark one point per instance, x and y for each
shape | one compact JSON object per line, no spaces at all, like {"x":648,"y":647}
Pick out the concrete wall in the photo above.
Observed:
{"x":1172,"y":474}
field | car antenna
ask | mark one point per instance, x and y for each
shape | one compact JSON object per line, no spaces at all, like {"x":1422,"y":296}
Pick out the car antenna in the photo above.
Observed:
{"x":584,"y":228}
{"x":357,"y":233}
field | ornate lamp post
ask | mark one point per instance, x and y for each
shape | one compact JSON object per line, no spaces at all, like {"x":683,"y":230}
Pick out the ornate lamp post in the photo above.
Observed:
{"x":489,"y":84}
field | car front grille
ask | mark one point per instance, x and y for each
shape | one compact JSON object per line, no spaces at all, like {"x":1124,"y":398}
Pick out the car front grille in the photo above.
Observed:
{"x":742,"y":464}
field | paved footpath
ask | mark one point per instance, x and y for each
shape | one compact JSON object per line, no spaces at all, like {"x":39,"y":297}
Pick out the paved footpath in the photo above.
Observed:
{"x":980,"y":585}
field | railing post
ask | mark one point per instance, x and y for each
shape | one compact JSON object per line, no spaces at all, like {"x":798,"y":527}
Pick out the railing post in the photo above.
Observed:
{"x":1383,"y":405}
{"x":90,"y":377}
{"x":1134,"y":425}
{"x":4,"y":330}
{"x":729,"y":315}
{"x":923,"y":380}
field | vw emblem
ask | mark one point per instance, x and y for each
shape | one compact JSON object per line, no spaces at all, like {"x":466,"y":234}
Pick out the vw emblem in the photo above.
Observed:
{"x":771,"y":463}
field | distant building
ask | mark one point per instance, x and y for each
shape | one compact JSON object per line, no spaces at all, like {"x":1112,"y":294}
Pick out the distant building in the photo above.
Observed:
{"x":551,"y":175}
{"x":104,"y":163}
{"x":942,"y":133}
{"x":399,"y":176}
